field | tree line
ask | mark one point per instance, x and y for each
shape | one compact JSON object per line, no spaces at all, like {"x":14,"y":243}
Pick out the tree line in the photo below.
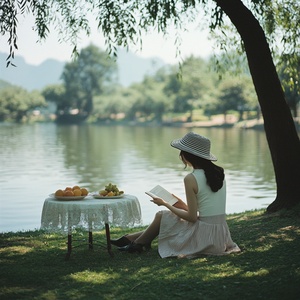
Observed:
{"x":90,"y":87}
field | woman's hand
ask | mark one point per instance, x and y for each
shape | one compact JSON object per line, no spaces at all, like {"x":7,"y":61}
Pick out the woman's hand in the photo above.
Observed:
{"x":158,"y":201}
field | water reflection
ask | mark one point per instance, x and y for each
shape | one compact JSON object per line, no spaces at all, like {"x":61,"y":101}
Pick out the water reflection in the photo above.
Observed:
{"x":37,"y":159}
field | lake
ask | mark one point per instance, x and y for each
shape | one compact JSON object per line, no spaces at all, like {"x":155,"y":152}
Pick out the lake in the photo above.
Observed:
{"x":38,"y":159}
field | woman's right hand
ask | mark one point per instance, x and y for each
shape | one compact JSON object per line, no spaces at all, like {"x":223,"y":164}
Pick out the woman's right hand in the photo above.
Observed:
{"x":158,"y":201}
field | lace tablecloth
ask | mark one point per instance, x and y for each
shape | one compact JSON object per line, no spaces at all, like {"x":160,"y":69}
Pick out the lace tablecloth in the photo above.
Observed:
{"x":90,"y":213}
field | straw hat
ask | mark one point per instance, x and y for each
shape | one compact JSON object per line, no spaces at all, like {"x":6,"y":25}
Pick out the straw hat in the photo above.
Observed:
{"x":195,"y":144}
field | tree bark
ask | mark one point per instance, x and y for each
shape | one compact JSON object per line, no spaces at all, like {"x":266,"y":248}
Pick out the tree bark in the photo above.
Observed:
{"x":280,"y":129}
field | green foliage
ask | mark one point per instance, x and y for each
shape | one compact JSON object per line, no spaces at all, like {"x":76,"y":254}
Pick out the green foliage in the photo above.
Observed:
{"x":16,"y":103}
{"x":289,"y":73}
{"x":236,"y":94}
{"x":280,"y":22}
{"x":190,"y":89}
{"x":155,"y":97}
{"x":166,"y":92}
{"x":122,"y":22}
{"x":55,"y":93}
{"x":111,"y":105}
{"x":91,"y":74}
{"x":150,"y":99}
{"x":145,"y":100}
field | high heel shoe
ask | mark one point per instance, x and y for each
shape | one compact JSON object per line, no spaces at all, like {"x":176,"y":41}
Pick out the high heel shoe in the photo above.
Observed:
{"x":121,"y":242}
{"x":133,"y":247}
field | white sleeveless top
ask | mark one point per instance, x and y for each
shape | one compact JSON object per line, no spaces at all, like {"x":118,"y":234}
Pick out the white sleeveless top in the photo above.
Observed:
{"x":209,"y":203}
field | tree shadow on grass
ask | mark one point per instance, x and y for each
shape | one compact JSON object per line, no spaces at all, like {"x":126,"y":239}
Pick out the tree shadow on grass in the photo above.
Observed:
{"x":33,"y":267}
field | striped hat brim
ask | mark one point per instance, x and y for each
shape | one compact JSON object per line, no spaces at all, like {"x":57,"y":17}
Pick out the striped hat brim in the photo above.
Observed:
{"x":195,"y":144}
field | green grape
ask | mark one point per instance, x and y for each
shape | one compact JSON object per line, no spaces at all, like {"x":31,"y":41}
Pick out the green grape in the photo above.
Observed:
{"x":114,"y":189}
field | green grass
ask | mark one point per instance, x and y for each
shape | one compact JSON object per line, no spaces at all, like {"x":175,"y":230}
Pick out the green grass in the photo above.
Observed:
{"x":32,"y":266}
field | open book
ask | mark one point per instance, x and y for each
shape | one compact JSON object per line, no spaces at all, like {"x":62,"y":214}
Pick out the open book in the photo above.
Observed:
{"x":160,"y":192}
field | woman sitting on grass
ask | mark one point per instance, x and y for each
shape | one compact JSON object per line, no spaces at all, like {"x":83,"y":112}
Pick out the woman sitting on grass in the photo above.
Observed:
{"x":199,"y":227}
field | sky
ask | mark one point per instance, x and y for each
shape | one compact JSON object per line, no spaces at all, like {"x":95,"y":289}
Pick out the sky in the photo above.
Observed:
{"x":194,"y":42}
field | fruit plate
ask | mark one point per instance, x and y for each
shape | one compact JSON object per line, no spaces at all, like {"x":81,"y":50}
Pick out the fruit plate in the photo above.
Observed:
{"x":67,"y":198}
{"x":98,"y":196}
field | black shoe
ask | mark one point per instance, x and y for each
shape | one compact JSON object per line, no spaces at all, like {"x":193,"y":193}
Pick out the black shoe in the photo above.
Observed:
{"x":133,"y":247}
{"x":121,"y":242}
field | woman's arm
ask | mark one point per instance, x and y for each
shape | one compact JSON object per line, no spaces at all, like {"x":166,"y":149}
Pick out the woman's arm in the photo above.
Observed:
{"x":191,"y":190}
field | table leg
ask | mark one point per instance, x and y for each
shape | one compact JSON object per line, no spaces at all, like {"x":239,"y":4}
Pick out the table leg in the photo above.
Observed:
{"x":90,"y":240}
{"x":69,"y":246}
{"x":107,"y":231}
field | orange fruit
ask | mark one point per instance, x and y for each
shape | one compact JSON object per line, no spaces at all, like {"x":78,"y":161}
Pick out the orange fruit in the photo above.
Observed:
{"x":68,"y":193}
{"x":75,"y":187}
{"x":111,"y":194}
{"x":77,"y":192}
{"x":84,"y":192}
{"x":59,"y":193}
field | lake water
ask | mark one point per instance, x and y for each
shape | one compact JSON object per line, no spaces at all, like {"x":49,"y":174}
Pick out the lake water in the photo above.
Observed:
{"x":37,"y":159}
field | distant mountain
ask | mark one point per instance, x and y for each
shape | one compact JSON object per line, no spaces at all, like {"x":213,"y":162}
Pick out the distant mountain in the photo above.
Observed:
{"x":4,"y":84}
{"x":132,"y":68}
{"x":29,"y":76}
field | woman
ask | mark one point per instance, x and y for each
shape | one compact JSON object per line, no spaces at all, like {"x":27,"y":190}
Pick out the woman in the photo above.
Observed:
{"x":200,"y":226}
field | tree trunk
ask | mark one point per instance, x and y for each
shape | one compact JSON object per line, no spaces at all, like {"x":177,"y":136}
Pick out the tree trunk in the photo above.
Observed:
{"x":89,"y":103}
{"x":280,"y":129}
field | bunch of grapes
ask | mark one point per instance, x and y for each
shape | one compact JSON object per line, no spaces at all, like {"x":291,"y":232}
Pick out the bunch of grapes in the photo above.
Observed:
{"x":111,"y":190}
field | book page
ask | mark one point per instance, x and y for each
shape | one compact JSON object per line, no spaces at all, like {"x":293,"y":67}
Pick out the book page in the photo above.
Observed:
{"x":160,"y":192}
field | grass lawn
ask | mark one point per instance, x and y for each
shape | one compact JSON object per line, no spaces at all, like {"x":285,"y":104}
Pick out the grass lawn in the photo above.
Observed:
{"x":32,"y":266}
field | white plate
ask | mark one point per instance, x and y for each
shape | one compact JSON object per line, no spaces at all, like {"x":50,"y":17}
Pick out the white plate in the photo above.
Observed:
{"x":98,"y":196}
{"x":67,"y":198}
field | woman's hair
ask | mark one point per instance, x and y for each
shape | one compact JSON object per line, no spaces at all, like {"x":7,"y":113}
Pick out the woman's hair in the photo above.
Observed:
{"x":214,"y":174}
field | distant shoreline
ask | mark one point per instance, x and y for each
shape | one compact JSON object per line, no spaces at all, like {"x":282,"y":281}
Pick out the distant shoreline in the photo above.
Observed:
{"x":254,"y":124}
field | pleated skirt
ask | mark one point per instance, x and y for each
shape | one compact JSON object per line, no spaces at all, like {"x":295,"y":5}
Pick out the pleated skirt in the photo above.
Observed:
{"x":208,"y":235}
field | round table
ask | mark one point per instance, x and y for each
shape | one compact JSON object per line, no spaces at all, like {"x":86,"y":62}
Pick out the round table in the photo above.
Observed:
{"x":90,"y":214}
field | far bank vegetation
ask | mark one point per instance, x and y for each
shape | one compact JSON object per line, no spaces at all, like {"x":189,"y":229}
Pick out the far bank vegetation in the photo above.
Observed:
{"x":191,"y":92}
